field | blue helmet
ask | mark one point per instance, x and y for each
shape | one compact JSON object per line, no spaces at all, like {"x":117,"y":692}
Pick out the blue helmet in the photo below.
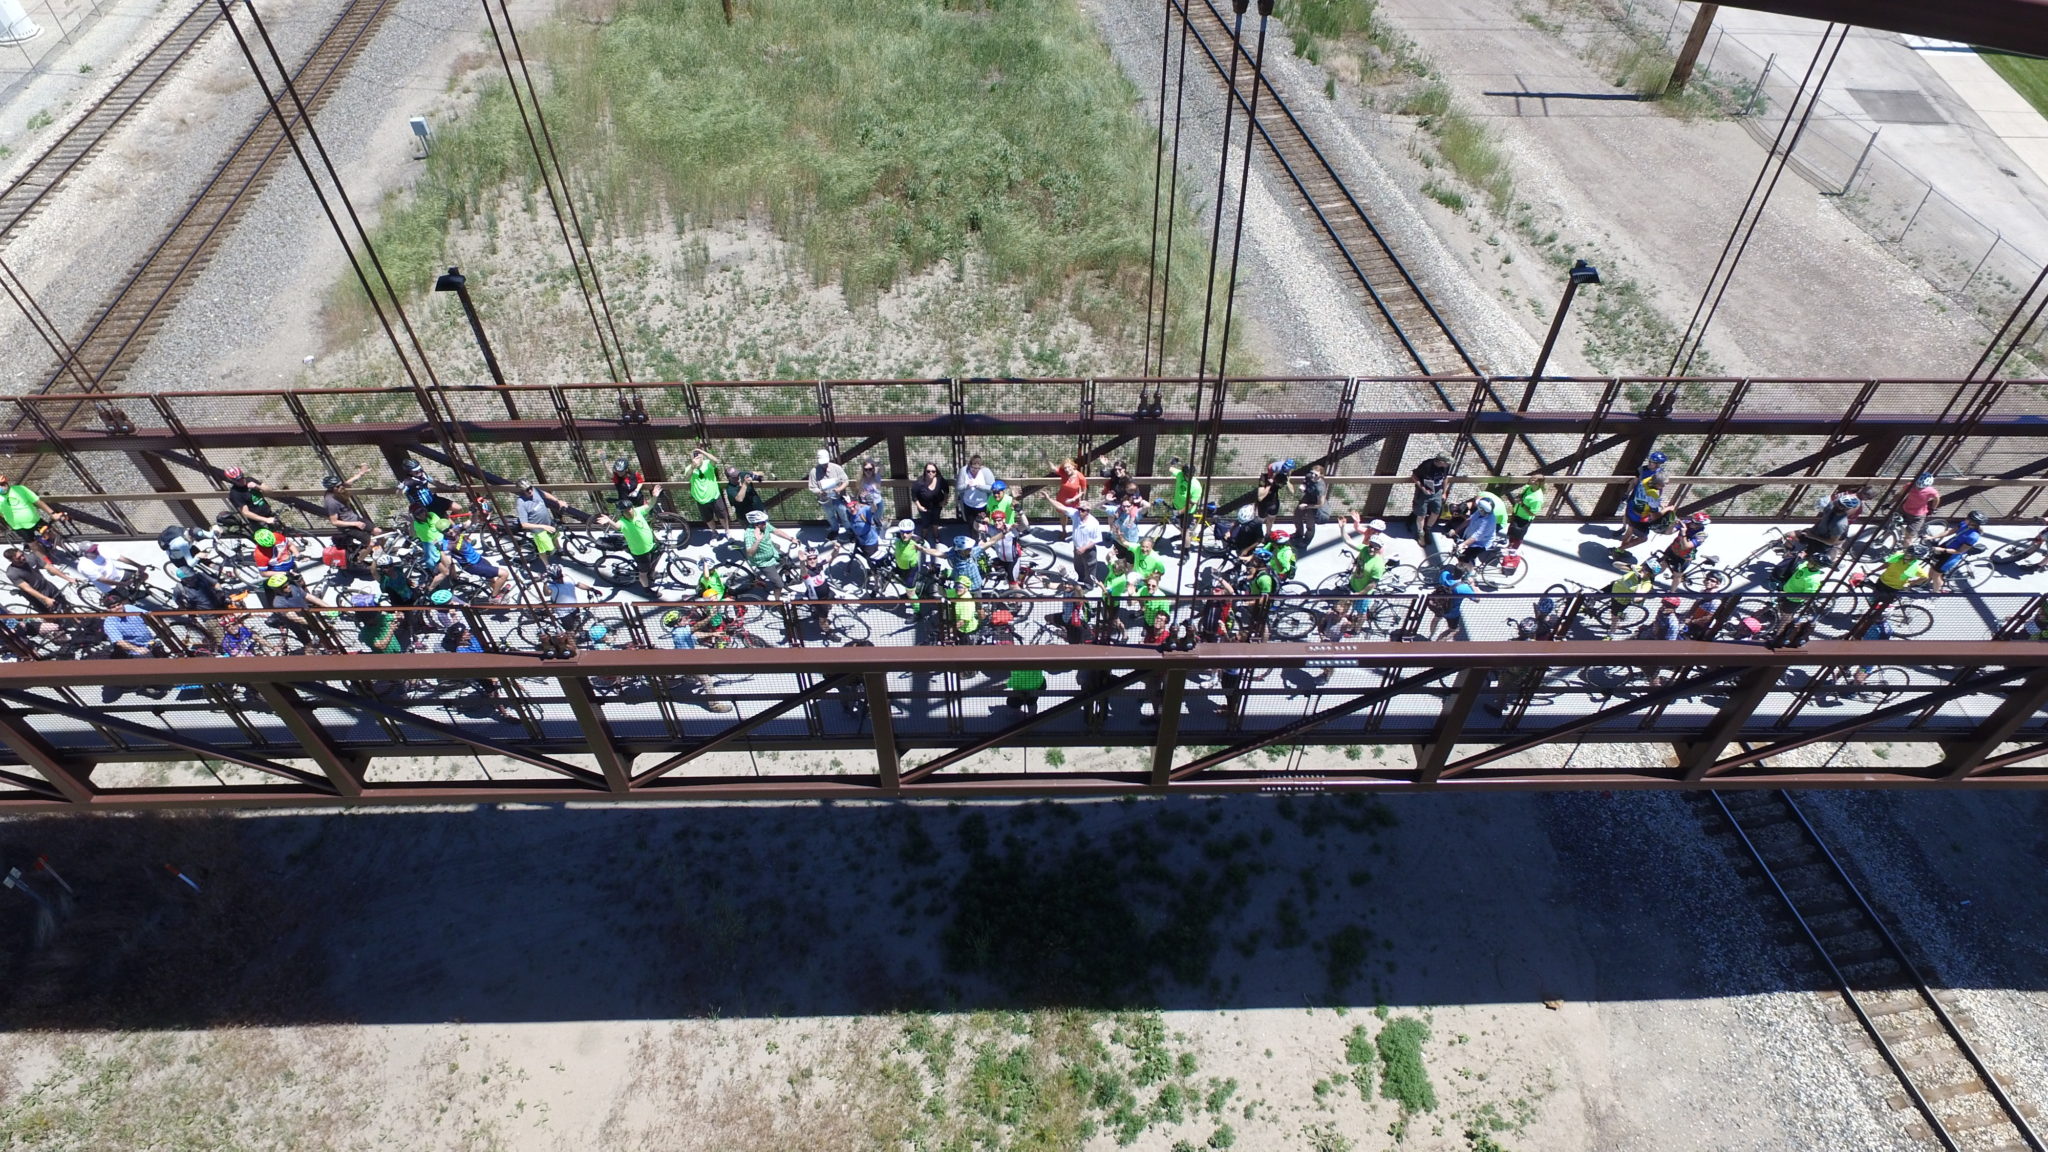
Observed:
{"x":1262,"y":552}
{"x":1658,"y":458}
{"x":962,"y":544}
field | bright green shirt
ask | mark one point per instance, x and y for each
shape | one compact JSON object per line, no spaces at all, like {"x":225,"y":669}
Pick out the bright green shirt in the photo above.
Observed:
{"x":1529,"y":502}
{"x":1901,"y":570}
{"x":1262,"y":584}
{"x":1005,"y":503}
{"x":1631,"y":583}
{"x":1804,"y":579}
{"x":1187,"y":490}
{"x":704,"y":483}
{"x":1367,"y":572}
{"x":1147,"y":563}
{"x":433,"y":529}
{"x":1157,"y":606}
{"x":19,"y":507}
{"x":906,"y":553}
{"x":711,"y":581}
{"x":1027,"y":680}
{"x":1284,"y":560}
{"x":965,"y":615}
{"x":1117,"y":585}
{"x":638,"y":532}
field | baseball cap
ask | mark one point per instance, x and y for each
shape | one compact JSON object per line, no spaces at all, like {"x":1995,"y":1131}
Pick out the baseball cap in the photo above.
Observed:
{"x":824,"y":457}
{"x":1378,"y":525}
{"x":1671,"y":601}
{"x":906,"y":526}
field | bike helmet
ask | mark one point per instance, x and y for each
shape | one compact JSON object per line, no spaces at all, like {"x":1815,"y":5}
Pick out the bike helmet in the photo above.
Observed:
{"x":906,"y":526}
{"x":1671,"y":602}
{"x":1244,"y":514}
{"x":525,"y":485}
{"x":441,"y":597}
{"x":1975,"y":517}
{"x":330,"y":481}
{"x":597,"y":633}
{"x":234,"y":473}
{"x":1262,"y":553}
{"x":1852,"y":501}
{"x":671,"y":618}
{"x":1280,"y":534}
{"x":1924,"y":479}
{"x":414,"y":468}
{"x":1000,"y":486}
{"x":757,"y":517}
{"x":1652,"y":566}
{"x":1659,"y":458}
{"x":265,"y":537}
{"x":555,"y":573}
{"x":276,"y":580}
{"x":1701,"y":518}
{"x":90,"y":548}
{"x":999,"y":516}
{"x":1920,"y":551}
{"x":620,"y":467}
{"x":710,"y":594}
{"x":962,"y":544}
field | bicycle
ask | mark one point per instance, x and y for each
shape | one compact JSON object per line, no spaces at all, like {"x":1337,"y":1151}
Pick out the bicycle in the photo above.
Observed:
{"x":1705,"y":575}
{"x":1492,"y":571}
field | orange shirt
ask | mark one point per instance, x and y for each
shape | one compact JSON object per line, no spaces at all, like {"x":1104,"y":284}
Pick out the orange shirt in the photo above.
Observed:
{"x":1073,"y":486}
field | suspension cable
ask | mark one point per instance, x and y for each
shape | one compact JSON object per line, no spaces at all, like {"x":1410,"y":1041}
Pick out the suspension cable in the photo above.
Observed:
{"x":1172,"y":191}
{"x":1775,"y":162}
{"x":1158,"y":177}
{"x":1244,"y":184}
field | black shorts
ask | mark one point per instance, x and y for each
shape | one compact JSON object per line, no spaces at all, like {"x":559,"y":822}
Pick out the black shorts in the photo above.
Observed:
{"x":28,"y":535}
{"x":1270,"y":506}
{"x":713,"y":509}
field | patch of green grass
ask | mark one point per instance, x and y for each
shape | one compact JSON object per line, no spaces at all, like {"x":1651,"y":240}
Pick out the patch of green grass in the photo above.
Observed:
{"x":1403,"y":1079}
{"x":41,"y":119}
{"x":1358,"y":1052}
{"x":1445,"y":195}
{"x":881,"y":137}
{"x":2028,"y":76}
{"x":1324,"y":1137}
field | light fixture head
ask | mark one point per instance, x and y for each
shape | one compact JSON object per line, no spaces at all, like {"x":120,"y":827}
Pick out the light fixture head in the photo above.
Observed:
{"x":1582,"y":273}
{"x":452,"y":281}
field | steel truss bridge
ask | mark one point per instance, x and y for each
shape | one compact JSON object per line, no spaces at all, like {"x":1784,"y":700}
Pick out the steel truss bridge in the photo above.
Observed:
{"x":926,"y":719}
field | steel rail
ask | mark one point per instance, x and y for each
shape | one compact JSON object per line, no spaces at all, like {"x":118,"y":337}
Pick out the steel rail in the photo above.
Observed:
{"x":1875,"y":924}
{"x":85,"y":136}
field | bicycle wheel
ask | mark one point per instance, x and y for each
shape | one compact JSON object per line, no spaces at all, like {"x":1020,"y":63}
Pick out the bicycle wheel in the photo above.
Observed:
{"x":1911,"y":619}
{"x":2012,"y":554}
{"x":682,"y":571}
{"x":850,"y":577}
{"x":1703,"y":578}
{"x":1504,"y":575}
{"x":1881,"y":685}
{"x":849,"y":625}
{"x":579,"y":547}
{"x":617,"y":570}
{"x":1292,"y":622}
{"x":1611,"y":618}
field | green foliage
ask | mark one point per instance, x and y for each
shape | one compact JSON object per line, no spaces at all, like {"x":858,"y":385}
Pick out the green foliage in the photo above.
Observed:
{"x":1358,"y":1052}
{"x":2028,"y":75}
{"x":881,"y":136}
{"x":1054,"y":758}
{"x":41,"y":119}
{"x":1324,"y":1137}
{"x":1479,"y":1141}
{"x":1402,"y":1076}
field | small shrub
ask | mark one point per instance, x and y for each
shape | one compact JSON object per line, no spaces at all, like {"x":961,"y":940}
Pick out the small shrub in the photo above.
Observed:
{"x":1359,"y":1052}
{"x":1402,"y":1076}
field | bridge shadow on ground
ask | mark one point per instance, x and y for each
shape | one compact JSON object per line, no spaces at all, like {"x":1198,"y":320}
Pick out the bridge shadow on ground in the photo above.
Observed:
{"x":538,"y":914}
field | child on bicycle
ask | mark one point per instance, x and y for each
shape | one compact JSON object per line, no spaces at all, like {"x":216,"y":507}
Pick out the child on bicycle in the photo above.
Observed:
{"x":1284,"y":560}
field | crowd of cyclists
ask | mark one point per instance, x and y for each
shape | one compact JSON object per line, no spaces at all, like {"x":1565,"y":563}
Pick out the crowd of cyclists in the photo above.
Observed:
{"x":966,"y":565}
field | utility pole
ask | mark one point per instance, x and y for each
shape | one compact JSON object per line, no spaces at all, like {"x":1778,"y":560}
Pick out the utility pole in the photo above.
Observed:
{"x":1694,"y":41}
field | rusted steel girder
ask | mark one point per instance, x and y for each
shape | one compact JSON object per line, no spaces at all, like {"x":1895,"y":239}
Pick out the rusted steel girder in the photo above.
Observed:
{"x":2014,"y":25}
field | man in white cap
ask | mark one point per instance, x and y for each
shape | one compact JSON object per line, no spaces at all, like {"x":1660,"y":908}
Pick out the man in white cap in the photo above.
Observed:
{"x":102,"y":568}
{"x":828,"y":484}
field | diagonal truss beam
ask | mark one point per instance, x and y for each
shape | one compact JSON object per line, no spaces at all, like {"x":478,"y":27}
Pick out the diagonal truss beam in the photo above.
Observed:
{"x":1672,"y":691}
{"x":735,"y":731}
{"x":1357,"y":703}
{"x":1836,"y":731}
{"x":66,"y":778}
{"x":1965,"y":755}
{"x":1065,"y":708}
{"x":617,"y":766}
{"x":344,"y":772}
{"x":164,"y":736}
{"x":403,"y":716}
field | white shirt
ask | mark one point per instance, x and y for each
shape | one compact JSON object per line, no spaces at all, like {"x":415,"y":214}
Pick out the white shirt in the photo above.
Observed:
{"x":103,"y":570}
{"x":828,"y":479}
{"x":1087,"y":531}
{"x":975,"y":485}
{"x":563,"y":592}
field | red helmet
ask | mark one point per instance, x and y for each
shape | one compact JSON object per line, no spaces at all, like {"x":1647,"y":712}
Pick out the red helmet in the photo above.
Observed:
{"x":234,"y":473}
{"x":1701,"y":518}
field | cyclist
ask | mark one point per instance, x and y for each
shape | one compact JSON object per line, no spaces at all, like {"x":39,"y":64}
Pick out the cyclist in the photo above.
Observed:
{"x":106,"y":570}
{"x":1125,"y":514}
{"x":31,"y":572}
{"x":1902,"y":570}
{"x":274,"y":552}
{"x":1667,"y":624}
{"x":1800,"y":585}
{"x":1002,"y":501}
{"x":702,"y":473}
{"x":762,"y":551}
{"x":827,"y":481}
{"x":1187,"y":495}
{"x":127,"y":631}
{"x":563,"y":591}
{"x":1432,"y":480}
{"x":1633,"y":583}
{"x":1966,"y":537}
{"x":246,"y":499}
{"x":1308,"y":509}
{"x":418,"y":489}
{"x":1260,"y":588}
{"x":1645,"y":504}
{"x":1358,"y":532}
{"x":905,"y":554}
{"x":1831,"y":530}
{"x":1454,"y":591}
{"x":352,"y":530}
{"x":1024,"y":685}
{"x":471,"y":559}
{"x":25,"y":512}
{"x":1481,"y":526}
{"x":810,"y":565}
{"x":1284,"y":560}
{"x":1145,"y":559}
{"x":864,"y":520}
{"x":1001,"y":545}
{"x":430,"y":528}
{"x":1699,"y":623}
{"x":1157,"y":612}
{"x":1692,"y":533}
{"x":1525,"y":504}
{"x":629,"y":484}
{"x":1247,"y":535}
{"x":638,"y":530}
{"x":1880,"y":629}
{"x":375,"y":631}
{"x":1368,"y":568}
{"x":1921,"y":501}
{"x":1266,"y":497}
{"x":534,"y":511}
{"x":965,"y":613}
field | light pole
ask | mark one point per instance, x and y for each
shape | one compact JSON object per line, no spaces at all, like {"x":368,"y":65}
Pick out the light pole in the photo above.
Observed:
{"x":454,"y":281}
{"x":1581,"y":273}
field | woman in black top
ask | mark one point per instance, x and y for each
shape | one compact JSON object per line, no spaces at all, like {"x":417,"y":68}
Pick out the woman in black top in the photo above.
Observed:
{"x":1309,"y":510}
{"x":1267,"y":499}
{"x":928,"y":497}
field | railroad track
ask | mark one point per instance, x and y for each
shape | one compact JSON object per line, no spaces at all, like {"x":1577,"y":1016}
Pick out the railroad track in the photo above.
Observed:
{"x":71,"y":150}
{"x":122,"y":329}
{"x":1397,"y":299}
{"x":1963,"y":1104}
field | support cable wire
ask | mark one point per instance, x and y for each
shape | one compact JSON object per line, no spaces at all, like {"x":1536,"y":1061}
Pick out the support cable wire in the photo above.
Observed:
{"x":1746,"y":221}
{"x":619,"y":369}
{"x":1244,"y":178}
{"x":1158,"y":176}
{"x":1172,"y":194}
{"x":1216,"y":235}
